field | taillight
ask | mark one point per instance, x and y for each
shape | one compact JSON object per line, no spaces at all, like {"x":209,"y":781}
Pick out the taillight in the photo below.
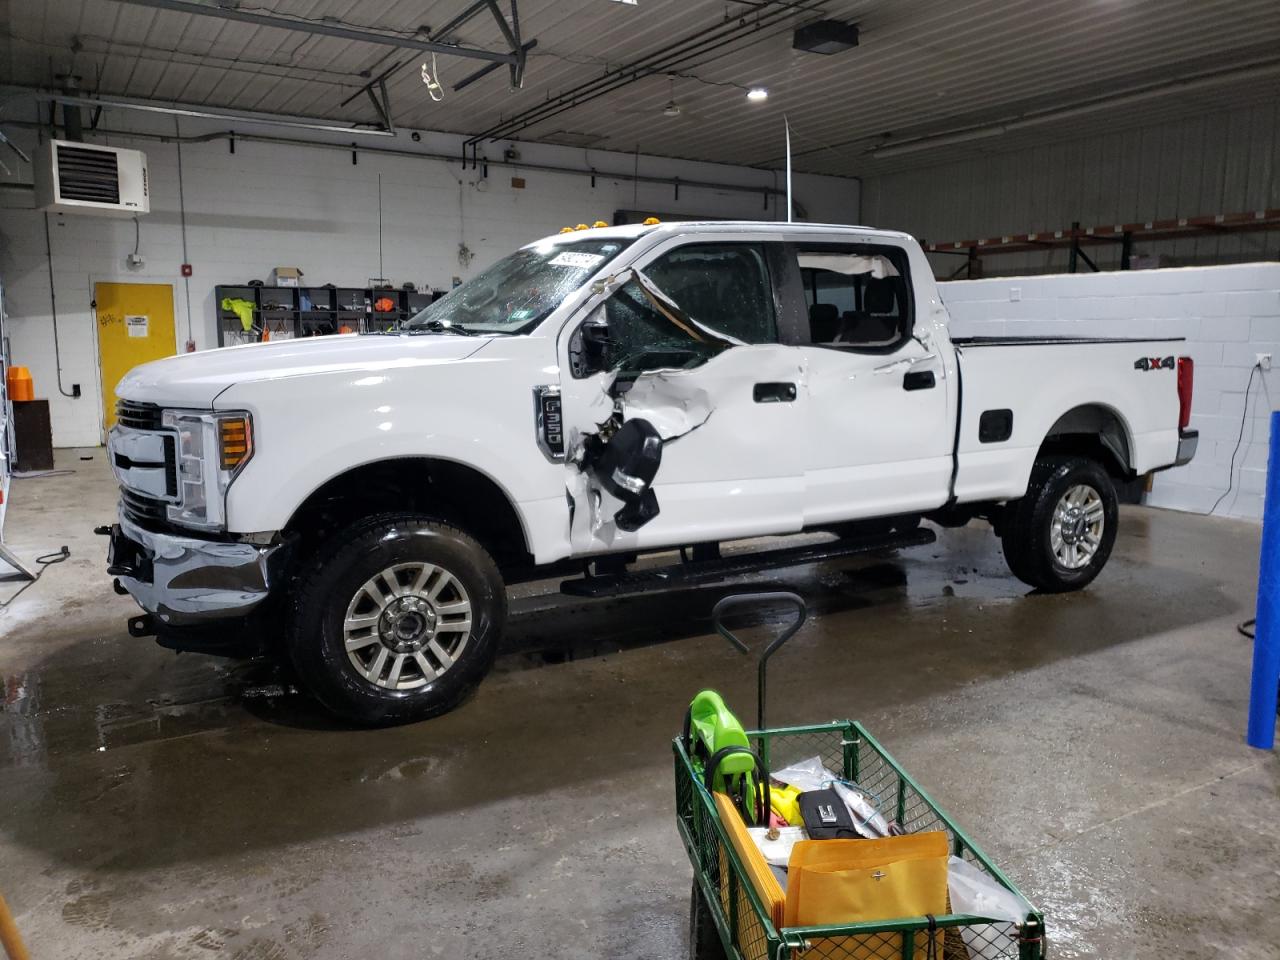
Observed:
{"x":1186,"y":379}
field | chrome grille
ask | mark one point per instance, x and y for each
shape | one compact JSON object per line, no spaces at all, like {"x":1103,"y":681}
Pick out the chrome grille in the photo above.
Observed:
{"x":140,"y":416}
{"x":142,"y":509}
{"x":170,"y":466}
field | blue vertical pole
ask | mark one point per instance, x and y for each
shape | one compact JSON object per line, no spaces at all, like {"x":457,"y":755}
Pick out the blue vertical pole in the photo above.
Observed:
{"x":1266,"y":643}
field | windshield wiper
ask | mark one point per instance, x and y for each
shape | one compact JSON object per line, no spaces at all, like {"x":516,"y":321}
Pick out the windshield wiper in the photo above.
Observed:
{"x":439,"y":326}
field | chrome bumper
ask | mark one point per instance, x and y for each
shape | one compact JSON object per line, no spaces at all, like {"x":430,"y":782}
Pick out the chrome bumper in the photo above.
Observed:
{"x":185,"y":580}
{"x":1188,"y":440}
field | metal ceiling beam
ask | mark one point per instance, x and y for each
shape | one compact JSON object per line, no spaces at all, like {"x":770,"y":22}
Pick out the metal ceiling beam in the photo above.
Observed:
{"x":487,"y":69}
{"x":715,"y":39}
{"x":460,"y":19}
{"x":325,"y":29}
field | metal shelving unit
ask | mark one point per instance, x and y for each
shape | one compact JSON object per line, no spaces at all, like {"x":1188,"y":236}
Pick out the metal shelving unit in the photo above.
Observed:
{"x":281,"y":313}
{"x":1076,"y":238}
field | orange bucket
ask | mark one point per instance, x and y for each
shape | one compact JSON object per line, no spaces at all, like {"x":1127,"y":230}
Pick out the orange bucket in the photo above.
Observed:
{"x":18,"y":382}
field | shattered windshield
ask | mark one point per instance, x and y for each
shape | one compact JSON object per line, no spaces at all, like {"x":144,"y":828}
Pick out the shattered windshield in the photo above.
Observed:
{"x":519,"y":291}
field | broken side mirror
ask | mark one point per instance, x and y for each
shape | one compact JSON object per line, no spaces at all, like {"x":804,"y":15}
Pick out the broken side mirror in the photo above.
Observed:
{"x":625,"y":466}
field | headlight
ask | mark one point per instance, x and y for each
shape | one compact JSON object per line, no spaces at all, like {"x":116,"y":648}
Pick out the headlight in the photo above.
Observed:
{"x":212,"y":449}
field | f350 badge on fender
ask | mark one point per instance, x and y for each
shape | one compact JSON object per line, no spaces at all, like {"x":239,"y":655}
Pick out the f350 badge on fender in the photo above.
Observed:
{"x":1155,"y":363}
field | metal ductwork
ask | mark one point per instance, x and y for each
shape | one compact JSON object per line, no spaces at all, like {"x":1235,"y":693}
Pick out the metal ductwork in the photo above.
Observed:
{"x":72,"y":120}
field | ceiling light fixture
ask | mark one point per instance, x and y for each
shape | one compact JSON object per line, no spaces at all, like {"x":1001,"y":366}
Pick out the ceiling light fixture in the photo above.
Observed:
{"x":756,"y":94}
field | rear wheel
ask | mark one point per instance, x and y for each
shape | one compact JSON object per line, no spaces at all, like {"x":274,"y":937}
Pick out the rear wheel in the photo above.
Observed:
{"x":704,"y":938}
{"x":1059,"y":536}
{"x":398,"y":619}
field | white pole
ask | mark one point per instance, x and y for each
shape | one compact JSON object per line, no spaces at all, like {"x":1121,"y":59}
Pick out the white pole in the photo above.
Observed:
{"x":788,"y":126}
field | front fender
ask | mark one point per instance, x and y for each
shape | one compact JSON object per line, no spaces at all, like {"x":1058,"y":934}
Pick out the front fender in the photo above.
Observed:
{"x":308,"y":430}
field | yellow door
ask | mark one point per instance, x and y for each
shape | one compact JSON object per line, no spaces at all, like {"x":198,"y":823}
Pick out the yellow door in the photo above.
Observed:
{"x":135,"y":325}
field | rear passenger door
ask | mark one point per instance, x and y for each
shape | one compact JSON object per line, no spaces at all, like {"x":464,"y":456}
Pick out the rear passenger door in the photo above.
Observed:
{"x":879,"y":439}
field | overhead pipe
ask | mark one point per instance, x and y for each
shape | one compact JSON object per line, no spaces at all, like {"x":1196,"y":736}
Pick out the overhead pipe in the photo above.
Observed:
{"x":589,"y":172}
{"x":1031,"y":119}
{"x":206,"y":113}
{"x":660,"y":61}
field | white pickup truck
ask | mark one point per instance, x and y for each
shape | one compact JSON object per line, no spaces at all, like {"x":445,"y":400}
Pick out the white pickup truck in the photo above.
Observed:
{"x":362,"y":501}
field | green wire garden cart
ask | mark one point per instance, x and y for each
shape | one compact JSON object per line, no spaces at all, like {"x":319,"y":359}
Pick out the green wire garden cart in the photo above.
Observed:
{"x":727,"y":918}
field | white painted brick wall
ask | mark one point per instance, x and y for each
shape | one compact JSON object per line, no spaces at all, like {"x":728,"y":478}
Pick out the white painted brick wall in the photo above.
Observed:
{"x":271,"y":205}
{"x":1228,"y":314}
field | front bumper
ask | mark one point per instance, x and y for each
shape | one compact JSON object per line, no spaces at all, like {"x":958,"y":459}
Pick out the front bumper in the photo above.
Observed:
{"x":1188,"y":440}
{"x":186,"y":581}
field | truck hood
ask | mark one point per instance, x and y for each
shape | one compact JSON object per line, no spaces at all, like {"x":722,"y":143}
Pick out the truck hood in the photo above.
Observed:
{"x":194,"y":379}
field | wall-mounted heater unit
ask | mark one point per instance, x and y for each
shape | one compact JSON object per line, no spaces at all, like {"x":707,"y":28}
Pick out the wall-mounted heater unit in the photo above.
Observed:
{"x":74,"y":177}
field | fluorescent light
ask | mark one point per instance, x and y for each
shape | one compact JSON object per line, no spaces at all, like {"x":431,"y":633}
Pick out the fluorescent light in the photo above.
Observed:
{"x":928,"y":143}
{"x":756,"y":94}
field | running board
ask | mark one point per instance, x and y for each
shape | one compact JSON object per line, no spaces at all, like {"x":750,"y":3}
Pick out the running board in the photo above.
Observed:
{"x":709,"y":571}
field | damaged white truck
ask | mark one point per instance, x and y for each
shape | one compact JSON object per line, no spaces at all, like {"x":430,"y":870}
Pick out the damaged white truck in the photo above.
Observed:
{"x":361,"y":502}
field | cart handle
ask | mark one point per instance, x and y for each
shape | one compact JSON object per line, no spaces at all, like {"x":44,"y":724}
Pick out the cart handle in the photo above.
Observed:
{"x":743,"y":599}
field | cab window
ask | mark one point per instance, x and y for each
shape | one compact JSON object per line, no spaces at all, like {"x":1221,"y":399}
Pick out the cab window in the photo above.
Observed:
{"x":723,"y":288}
{"x":858,"y":296}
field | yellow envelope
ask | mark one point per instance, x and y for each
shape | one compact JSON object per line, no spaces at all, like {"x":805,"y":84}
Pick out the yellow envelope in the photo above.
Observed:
{"x":860,"y":881}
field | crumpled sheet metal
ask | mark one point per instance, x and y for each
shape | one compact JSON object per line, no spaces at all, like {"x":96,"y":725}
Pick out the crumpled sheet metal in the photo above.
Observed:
{"x":670,"y":400}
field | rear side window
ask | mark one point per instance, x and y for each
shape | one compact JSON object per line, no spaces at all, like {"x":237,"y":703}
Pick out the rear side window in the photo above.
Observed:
{"x":858,"y":295}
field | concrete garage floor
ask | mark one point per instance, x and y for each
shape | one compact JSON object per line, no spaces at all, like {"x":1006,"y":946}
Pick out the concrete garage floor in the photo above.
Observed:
{"x":159,"y":806}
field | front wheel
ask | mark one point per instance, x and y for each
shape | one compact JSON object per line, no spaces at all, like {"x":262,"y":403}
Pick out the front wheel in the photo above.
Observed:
{"x":397,"y":619}
{"x":1059,"y":536}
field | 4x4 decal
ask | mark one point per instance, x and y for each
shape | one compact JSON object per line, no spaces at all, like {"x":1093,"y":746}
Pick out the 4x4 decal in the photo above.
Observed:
{"x":1155,"y":363}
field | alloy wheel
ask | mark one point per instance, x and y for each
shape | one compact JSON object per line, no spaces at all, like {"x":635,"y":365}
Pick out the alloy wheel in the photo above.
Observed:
{"x":407,"y":625}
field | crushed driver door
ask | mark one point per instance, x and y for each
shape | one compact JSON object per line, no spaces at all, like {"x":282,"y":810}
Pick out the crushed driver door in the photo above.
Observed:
{"x":683,"y":405}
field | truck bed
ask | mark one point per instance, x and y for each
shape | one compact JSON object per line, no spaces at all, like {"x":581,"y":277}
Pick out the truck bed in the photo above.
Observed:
{"x":1033,"y":382}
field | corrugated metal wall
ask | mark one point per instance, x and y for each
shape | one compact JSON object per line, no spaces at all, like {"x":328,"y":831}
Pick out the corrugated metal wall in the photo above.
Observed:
{"x":1222,"y":162}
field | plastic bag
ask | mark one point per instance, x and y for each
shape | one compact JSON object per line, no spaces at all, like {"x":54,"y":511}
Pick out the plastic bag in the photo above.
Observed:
{"x":978,"y":894}
{"x":807,"y":774}
{"x":866,"y":818}
{"x":811,"y":774}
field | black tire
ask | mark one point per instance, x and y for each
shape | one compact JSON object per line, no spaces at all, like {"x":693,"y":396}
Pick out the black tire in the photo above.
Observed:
{"x":336,"y":579}
{"x":704,"y":938}
{"x":1026,"y":530}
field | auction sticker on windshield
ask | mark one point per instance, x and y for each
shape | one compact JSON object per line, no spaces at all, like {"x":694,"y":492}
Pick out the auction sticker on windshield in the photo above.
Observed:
{"x":571,"y":258}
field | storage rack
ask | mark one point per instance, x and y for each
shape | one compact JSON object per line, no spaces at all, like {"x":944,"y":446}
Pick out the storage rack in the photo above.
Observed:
{"x":291,"y":312}
{"x":1076,"y":238}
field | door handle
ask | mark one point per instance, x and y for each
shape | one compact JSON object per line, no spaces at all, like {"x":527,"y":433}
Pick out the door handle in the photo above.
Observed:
{"x":773,"y":392}
{"x":919,"y":380}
